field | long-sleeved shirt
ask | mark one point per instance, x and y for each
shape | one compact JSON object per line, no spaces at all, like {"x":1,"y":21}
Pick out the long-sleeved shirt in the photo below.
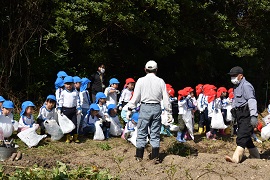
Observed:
{"x":26,"y":121}
{"x":103,"y":110}
{"x":46,"y":114}
{"x":244,"y":93}
{"x":89,"y":120}
{"x":85,"y":99}
{"x":111,"y":97}
{"x":69,"y":99}
{"x":150,"y":89}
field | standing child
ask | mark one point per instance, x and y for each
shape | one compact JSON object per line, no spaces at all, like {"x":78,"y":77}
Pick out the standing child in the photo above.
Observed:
{"x":127,"y":93}
{"x":222,"y":99}
{"x":59,"y":86}
{"x":212,"y":106}
{"x":46,"y":112}
{"x":112,"y":91}
{"x":69,"y":105}
{"x":1,"y":103}
{"x":27,"y":119}
{"x":90,"y":119}
{"x":77,"y":82}
{"x":84,"y":98}
{"x":6,"y":123}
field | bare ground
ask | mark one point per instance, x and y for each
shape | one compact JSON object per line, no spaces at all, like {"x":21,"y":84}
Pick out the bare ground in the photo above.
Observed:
{"x":199,"y":159}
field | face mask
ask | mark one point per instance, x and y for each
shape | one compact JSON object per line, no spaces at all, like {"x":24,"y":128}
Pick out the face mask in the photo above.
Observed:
{"x":234,"y":80}
{"x":102,"y":70}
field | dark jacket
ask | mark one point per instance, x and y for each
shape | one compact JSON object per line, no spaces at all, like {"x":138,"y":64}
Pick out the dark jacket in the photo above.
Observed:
{"x":96,"y":83}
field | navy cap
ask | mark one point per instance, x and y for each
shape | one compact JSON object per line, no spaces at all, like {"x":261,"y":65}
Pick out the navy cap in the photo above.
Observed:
{"x":236,"y":70}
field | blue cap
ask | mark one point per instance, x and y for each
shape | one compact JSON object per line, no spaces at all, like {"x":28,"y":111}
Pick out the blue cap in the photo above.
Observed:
{"x":59,"y":83}
{"x":61,"y":74}
{"x":85,"y":81}
{"x":52,"y":97}
{"x":111,"y":107}
{"x":77,"y":79}
{"x":8,"y":104}
{"x":94,"y":107}
{"x":100,"y":95}
{"x":135,"y":117}
{"x":2,"y":99}
{"x":113,"y":81}
{"x":68,"y":79}
{"x":26,"y":104}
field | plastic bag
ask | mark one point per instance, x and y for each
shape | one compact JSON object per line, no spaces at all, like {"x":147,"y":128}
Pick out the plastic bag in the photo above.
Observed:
{"x":6,"y":125}
{"x":15,"y":125}
{"x":30,"y":137}
{"x":53,"y":129}
{"x":265,"y":133}
{"x":115,"y":129}
{"x":217,"y":120}
{"x":133,"y":137}
{"x":65,"y":124}
{"x":79,"y":119}
{"x":174,"y":128}
{"x":164,"y":119}
{"x":266,"y":119}
{"x":98,"y":133}
{"x":229,"y":114}
{"x":187,"y":117}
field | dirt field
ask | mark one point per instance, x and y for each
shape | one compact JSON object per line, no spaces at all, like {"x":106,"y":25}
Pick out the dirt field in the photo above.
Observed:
{"x":202,"y":159}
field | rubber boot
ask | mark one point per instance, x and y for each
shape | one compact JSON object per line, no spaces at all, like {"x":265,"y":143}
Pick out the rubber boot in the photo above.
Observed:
{"x":139,"y":154}
{"x":68,"y":138}
{"x":200,"y":130}
{"x":75,"y":138}
{"x":204,"y":129}
{"x":237,"y":155}
{"x":180,"y":137}
{"x":155,"y":155}
{"x":254,"y":153}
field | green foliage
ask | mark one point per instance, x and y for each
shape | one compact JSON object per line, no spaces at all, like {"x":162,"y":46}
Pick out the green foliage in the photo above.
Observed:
{"x":104,"y":146}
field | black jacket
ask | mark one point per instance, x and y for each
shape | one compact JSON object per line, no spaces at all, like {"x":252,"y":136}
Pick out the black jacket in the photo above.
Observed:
{"x":96,"y":83}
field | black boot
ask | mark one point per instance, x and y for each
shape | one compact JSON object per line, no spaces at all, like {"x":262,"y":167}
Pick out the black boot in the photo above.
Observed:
{"x":139,"y":154}
{"x":155,"y":155}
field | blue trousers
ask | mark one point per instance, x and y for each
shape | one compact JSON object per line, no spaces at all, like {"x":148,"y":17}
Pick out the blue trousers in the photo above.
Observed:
{"x":89,"y":129}
{"x":150,"y":116}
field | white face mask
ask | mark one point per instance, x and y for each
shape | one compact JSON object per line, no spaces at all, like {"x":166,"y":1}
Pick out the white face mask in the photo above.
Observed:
{"x":102,"y":70}
{"x":234,"y":80}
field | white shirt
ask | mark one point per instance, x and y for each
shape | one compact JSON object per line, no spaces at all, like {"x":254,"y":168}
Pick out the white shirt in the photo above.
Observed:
{"x":85,"y":99}
{"x":111,"y":97}
{"x":213,"y":105}
{"x":57,"y":95}
{"x":87,"y":121}
{"x":102,"y":110}
{"x":150,"y":89}
{"x":69,"y":99}
{"x":46,"y":114}
{"x":125,"y":95}
{"x":26,"y":122}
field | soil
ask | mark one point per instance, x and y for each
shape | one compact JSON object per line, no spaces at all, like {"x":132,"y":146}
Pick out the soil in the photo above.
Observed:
{"x":199,"y":159}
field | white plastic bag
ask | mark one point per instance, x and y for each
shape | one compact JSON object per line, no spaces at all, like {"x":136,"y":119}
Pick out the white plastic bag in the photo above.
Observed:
{"x":15,"y":125}
{"x":217,"y":120}
{"x":6,"y":125}
{"x":266,"y":119}
{"x":164,"y":119}
{"x":98,"y":133}
{"x":79,"y":119}
{"x":187,"y":117}
{"x":265,"y":133}
{"x":229,"y":114}
{"x":133,"y":137}
{"x":30,"y":137}
{"x":65,"y":124}
{"x":115,"y":129}
{"x":53,"y":129}
{"x":174,"y":128}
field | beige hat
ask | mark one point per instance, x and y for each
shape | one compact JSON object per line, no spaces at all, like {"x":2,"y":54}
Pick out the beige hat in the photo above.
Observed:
{"x":151,"y":65}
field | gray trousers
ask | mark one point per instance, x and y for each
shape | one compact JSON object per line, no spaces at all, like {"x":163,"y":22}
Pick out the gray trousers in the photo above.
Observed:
{"x":150,"y":116}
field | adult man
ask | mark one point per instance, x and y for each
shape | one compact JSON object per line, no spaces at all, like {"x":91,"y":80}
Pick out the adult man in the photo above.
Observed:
{"x":150,"y":91}
{"x":245,"y":113}
{"x":97,"y":80}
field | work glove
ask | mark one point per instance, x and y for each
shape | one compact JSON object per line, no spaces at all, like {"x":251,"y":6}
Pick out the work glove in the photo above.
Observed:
{"x":117,"y":91}
{"x":254,"y":121}
{"x":128,"y":115}
{"x":259,"y":141}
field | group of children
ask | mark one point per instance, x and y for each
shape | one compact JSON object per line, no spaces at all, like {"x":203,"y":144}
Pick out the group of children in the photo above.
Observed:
{"x":72,"y":99}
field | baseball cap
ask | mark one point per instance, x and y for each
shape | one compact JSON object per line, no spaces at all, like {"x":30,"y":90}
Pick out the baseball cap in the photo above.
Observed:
{"x":151,"y":65}
{"x":236,"y":70}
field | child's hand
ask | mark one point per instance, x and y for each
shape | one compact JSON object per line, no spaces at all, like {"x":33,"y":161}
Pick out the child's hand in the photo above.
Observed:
{"x":259,"y":141}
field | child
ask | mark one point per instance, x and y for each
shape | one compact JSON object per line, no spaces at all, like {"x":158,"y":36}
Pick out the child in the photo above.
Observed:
{"x":77,"y":83}
{"x":59,"y":86}
{"x":69,"y":105}
{"x":84,"y":98}
{"x":130,"y":126}
{"x":62,"y":74}
{"x":222,"y":100}
{"x":7,"y":123}
{"x":1,"y":103}
{"x":46,"y":112}
{"x":127,"y":93}
{"x":212,"y":106}
{"x":27,"y":119}
{"x":111,"y":91}
{"x":113,"y":117}
{"x":88,"y":125}
{"x":101,"y":102}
